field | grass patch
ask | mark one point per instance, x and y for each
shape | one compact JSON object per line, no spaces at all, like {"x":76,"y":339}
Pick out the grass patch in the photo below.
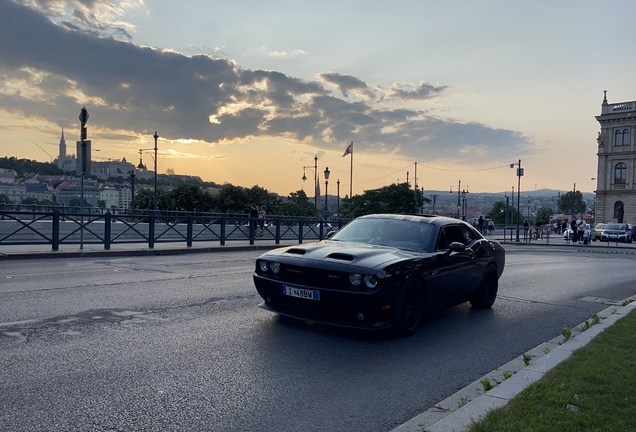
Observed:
{"x":595,"y":389}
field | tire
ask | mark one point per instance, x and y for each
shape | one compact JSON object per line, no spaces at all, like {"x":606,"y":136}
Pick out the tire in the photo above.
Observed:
{"x":486,"y":294}
{"x":407,"y":314}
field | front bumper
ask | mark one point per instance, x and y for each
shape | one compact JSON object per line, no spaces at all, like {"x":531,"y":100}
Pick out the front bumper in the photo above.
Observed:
{"x":370,"y":311}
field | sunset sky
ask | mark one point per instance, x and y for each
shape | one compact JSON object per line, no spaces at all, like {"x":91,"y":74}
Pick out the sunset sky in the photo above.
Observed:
{"x":248,"y":92}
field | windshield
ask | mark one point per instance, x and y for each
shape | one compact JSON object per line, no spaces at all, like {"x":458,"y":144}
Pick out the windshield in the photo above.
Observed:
{"x":616,"y":227}
{"x":388,"y":232}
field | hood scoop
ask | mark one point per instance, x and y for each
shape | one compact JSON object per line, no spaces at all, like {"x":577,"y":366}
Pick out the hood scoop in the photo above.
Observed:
{"x":296,"y":251}
{"x":341,"y":256}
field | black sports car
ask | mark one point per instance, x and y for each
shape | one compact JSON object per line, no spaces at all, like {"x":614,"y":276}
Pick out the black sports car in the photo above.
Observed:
{"x":382,"y":271}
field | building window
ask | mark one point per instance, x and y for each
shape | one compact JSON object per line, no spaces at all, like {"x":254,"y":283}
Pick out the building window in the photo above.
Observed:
{"x":625,"y":137}
{"x":618,"y":138}
{"x":620,"y":173}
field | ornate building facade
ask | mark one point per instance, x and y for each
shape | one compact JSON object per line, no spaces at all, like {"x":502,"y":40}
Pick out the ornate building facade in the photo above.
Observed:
{"x":616,"y":174}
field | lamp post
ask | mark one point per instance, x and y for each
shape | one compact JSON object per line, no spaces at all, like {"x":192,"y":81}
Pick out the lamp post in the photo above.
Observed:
{"x":519,"y":174}
{"x":132,"y":187}
{"x":326,"y":173}
{"x":338,"y":210}
{"x":315,"y":171}
{"x":141,"y":166}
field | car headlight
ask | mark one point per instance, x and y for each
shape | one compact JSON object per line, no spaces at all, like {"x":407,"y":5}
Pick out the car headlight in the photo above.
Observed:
{"x":264,"y":265}
{"x":355,"y":279}
{"x":370,"y":281}
{"x":275,"y":267}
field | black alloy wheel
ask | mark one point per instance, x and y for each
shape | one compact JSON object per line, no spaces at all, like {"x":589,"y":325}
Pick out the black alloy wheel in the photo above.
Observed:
{"x":407,"y":315}
{"x":486,"y":294}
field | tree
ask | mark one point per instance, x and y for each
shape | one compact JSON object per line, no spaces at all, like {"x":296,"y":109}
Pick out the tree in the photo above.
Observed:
{"x":101,"y":204}
{"x":5,"y":199}
{"x":145,"y":200}
{"x":498,"y":214}
{"x":543,"y":215}
{"x":76,"y":202}
{"x":232,"y":199}
{"x":189,"y":197}
{"x":395,"y":198}
{"x":572,"y":203}
{"x":297,"y":205}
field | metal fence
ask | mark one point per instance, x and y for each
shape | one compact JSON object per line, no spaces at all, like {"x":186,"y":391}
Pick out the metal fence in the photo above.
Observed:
{"x":57,"y":227}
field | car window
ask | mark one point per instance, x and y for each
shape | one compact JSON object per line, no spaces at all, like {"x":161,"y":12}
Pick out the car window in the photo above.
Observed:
{"x":397,"y":233}
{"x":455,"y":233}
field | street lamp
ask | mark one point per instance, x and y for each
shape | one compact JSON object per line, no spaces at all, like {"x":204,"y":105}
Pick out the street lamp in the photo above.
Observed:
{"x":315,"y":171}
{"x":326,"y":173}
{"x":338,"y":210}
{"x":519,"y":174}
{"x":141,"y":165}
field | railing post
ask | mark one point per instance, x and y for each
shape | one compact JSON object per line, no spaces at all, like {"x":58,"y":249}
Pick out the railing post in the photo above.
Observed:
{"x":277,"y":231}
{"x":252,"y":227}
{"x":107,"y":222}
{"x":300,"y":231}
{"x":55,"y":231}
{"x":223,"y":222}
{"x":151,"y":231}
{"x":189,"y":231}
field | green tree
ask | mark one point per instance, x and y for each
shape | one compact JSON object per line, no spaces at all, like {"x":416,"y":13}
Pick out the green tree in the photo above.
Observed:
{"x":101,"y":204}
{"x":395,"y":198}
{"x":297,"y":205}
{"x":572,"y":203}
{"x":189,"y":197}
{"x":145,"y":200}
{"x":4,"y":199}
{"x":543,"y":215}
{"x":24,"y":166}
{"x":76,"y":202}
{"x":232,"y":199}
{"x":498,"y":214}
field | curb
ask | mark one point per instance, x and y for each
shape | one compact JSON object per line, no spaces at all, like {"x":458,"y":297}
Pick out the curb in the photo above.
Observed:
{"x":457,"y":412}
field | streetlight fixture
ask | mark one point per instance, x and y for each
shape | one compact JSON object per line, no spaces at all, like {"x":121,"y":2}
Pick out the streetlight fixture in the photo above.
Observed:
{"x":326,"y":173}
{"x":141,"y":166}
{"x":315,"y":171}
{"x":132,"y":187}
{"x":519,"y":174}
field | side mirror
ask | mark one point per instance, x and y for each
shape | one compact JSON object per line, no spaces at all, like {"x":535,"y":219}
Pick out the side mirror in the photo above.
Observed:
{"x":456,"y":247}
{"x":330,"y":234}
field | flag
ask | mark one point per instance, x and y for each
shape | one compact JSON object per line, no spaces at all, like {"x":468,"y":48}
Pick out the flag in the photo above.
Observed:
{"x":348,"y":150}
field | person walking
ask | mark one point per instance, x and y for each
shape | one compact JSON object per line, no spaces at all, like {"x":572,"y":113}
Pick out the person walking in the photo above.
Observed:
{"x":261,"y":219}
{"x":253,"y":218}
{"x":480,"y":223}
{"x":575,"y":232}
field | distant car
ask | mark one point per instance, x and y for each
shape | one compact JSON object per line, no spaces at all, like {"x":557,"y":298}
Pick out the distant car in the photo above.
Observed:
{"x":618,"y":232}
{"x":589,"y":233}
{"x":382,"y":271}
{"x":599,"y":227}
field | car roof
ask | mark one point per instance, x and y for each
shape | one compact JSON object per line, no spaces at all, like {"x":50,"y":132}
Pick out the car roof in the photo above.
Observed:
{"x":422,"y":218}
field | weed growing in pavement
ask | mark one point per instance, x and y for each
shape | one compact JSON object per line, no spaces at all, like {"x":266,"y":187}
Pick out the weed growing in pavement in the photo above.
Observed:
{"x":595,"y":319}
{"x":487,"y":384}
{"x":506,"y":375}
{"x":586,"y":325}
{"x":566,"y":333}
{"x":462,"y":401}
{"x":526,"y":359}
{"x":546,"y":350}
{"x":626,"y":302}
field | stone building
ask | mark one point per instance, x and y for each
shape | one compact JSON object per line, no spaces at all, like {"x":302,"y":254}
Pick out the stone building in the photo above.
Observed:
{"x":616,"y":175}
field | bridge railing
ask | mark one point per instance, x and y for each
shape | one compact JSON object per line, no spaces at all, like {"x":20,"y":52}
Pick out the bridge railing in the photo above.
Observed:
{"x":57,"y":228}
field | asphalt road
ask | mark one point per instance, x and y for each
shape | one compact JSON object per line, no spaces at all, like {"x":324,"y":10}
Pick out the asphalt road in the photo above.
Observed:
{"x":178,"y":343}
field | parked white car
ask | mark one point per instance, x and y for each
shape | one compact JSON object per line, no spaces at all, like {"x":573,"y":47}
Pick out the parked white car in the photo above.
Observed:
{"x":589,"y":233}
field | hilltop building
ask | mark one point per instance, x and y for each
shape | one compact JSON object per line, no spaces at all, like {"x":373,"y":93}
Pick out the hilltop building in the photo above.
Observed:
{"x":616,"y":175}
{"x":64,"y":161}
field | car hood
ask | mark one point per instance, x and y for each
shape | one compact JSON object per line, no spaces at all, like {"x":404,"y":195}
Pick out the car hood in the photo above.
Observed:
{"x":338,"y":254}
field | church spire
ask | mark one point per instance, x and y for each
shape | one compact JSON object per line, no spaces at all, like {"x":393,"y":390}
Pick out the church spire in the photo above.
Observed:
{"x":62,"y":147}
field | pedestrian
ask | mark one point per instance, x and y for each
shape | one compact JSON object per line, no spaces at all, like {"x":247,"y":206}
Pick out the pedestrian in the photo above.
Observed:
{"x":575,"y":230}
{"x":261,"y":219}
{"x":253,"y":217}
{"x":491,"y":226}
{"x":580,"y":231}
{"x":480,"y":223}
{"x":526,"y":227}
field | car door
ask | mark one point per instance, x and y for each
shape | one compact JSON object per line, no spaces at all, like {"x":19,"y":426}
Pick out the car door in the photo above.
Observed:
{"x":454,"y":270}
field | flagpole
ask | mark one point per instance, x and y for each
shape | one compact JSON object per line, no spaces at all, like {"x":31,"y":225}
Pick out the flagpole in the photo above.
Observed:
{"x":351,"y":174}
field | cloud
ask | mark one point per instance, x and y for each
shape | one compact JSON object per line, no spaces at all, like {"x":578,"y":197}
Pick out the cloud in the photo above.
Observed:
{"x":54,"y":69}
{"x":415,"y":92}
{"x":345,"y":83}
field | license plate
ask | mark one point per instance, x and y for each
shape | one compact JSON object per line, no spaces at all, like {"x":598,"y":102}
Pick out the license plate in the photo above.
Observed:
{"x":301,"y":293}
